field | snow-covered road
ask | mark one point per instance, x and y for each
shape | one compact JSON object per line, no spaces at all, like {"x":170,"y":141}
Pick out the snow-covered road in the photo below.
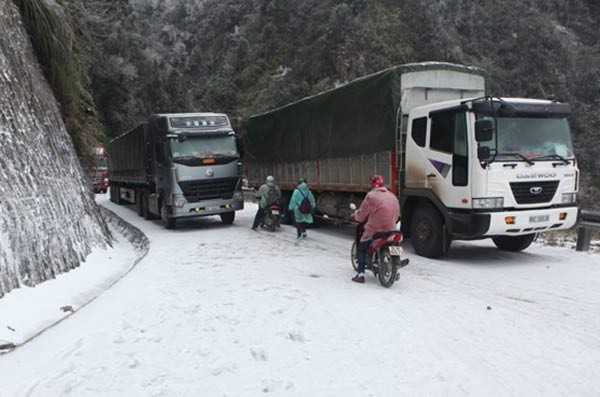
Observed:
{"x":219,"y":310}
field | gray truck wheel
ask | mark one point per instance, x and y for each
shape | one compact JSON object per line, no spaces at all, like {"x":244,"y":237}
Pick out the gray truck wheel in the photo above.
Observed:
{"x":146,"y":207}
{"x":228,"y":217}
{"x":139,"y":204}
{"x":169,"y":223}
{"x":118,"y":200}
{"x":514,"y":243}
{"x":426,"y":232}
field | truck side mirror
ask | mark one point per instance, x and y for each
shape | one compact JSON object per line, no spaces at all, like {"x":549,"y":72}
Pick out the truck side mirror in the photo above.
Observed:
{"x":483,"y":153}
{"x":484,"y":130}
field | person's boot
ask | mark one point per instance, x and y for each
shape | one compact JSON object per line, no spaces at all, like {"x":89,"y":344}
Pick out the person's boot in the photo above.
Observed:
{"x":359,"y":278}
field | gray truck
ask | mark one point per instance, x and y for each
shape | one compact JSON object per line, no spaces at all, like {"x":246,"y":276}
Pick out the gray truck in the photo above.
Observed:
{"x":178,"y":166}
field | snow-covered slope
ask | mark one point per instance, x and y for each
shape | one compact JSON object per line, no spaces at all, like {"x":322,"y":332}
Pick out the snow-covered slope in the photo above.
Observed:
{"x":218,"y":310}
{"x":48,"y":220}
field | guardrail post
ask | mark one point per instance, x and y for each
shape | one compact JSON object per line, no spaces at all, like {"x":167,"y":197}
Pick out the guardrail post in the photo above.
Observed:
{"x":584,"y":237}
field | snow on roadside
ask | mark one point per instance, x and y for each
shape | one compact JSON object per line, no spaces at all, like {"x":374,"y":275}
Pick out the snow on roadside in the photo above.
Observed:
{"x":217,"y":310}
{"x":27,"y":311}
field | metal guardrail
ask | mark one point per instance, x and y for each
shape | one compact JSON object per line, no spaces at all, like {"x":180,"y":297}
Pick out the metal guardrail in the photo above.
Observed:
{"x":588,"y":221}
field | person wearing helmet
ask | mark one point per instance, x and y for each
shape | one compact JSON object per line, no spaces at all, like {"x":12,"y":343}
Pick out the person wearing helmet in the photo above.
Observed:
{"x":380,"y":210}
{"x":267,"y":195}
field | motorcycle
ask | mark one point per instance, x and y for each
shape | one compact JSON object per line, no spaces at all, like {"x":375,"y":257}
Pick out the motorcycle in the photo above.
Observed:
{"x":272,"y":219}
{"x":384,"y":255}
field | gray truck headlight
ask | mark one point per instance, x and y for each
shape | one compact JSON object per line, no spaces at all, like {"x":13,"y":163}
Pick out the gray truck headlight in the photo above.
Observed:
{"x":568,"y":198}
{"x":488,"y":203}
{"x":178,"y":201}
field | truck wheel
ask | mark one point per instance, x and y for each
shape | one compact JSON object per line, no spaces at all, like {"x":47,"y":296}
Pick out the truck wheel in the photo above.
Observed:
{"x":146,"y":207}
{"x":118,"y":200}
{"x":139,"y":204}
{"x":426,"y":231}
{"x":228,"y":217}
{"x":169,"y":223}
{"x":513,"y":243}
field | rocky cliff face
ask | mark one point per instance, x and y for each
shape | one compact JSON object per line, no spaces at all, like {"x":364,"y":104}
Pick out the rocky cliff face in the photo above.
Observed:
{"x":48,"y":219}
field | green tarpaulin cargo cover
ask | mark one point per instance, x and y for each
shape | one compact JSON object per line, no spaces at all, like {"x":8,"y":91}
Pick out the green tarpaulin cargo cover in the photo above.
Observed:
{"x":358,"y":117}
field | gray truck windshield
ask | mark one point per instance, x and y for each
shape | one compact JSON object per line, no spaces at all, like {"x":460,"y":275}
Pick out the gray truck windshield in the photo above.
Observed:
{"x":204,"y":146}
{"x":534,"y":138}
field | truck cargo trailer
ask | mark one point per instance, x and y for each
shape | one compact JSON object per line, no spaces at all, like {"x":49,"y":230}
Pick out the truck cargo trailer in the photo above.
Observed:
{"x":442,"y":146}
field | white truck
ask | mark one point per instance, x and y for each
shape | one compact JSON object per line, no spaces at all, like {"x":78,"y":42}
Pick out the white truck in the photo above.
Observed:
{"x":464,"y":166}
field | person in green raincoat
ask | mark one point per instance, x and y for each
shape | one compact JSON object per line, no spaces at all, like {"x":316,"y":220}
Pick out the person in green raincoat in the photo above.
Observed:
{"x":267,"y":195}
{"x":302,"y":203}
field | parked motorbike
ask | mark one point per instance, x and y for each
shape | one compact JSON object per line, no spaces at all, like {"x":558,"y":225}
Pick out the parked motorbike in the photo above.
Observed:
{"x":272,"y":219}
{"x":384,"y":255}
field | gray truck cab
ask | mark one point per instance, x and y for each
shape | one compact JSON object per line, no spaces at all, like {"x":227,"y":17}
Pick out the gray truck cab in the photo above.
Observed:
{"x":196,"y":167}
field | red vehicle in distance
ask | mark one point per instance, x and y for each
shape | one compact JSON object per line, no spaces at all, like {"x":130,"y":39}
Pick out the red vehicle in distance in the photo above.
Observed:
{"x":99,"y":174}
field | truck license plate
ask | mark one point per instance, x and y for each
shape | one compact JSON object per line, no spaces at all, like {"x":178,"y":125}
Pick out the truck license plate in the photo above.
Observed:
{"x":539,"y":218}
{"x":396,"y":250}
{"x":213,"y":208}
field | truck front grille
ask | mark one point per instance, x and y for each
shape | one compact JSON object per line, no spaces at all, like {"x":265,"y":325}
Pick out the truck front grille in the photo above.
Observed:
{"x":209,"y":189}
{"x":530,"y":193}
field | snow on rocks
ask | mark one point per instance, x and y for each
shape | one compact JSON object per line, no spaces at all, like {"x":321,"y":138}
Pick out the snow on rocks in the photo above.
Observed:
{"x":28,"y":311}
{"x":48,"y":220}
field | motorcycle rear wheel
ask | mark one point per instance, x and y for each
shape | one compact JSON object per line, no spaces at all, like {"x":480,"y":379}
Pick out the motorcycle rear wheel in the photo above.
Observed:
{"x":388,"y":268}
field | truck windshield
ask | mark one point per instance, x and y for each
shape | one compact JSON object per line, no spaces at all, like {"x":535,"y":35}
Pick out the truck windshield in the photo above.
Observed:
{"x":531,"y":138}
{"x":204,"y":146}
{"x":100,"y":163}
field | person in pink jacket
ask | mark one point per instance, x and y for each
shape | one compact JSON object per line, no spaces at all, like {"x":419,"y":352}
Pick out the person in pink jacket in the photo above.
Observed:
{"x":380,"y":210}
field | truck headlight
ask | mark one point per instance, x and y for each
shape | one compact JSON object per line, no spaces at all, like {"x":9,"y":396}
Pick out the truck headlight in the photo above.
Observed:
{"x":488,"y":203}
{"x":178,"y":201}
{"x":568,"y":198}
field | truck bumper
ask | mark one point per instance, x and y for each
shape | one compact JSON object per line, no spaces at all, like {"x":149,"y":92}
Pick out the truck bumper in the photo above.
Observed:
{"x":470,"y":226}
{"x":209,"y":207}
{"x":532,"y":221}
